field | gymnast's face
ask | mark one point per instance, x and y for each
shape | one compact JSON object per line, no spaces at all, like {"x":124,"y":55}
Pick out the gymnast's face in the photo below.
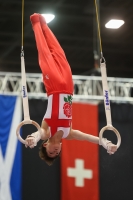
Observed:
{"x":52,"y":149}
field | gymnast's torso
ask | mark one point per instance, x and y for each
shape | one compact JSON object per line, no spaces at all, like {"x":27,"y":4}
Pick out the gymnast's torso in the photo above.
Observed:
{"x":58,"y":115}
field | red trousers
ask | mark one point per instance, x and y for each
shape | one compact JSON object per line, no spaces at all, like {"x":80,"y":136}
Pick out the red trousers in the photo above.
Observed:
{"x":57,"y":76}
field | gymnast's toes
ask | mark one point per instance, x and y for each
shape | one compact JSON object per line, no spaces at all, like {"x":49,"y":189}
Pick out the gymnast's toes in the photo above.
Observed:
{"x":34,"y":18}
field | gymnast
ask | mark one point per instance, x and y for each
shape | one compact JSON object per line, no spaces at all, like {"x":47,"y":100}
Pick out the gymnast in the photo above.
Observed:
{"x":57,"y":77}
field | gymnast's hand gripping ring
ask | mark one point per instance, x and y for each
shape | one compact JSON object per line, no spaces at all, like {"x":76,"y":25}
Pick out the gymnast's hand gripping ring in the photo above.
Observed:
{"x":110,"y":127}
{"x":24,"y":122}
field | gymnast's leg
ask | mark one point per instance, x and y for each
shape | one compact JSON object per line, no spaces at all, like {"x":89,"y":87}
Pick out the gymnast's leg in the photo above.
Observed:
{"x":46,"y":61}
{"x":43,"y":49}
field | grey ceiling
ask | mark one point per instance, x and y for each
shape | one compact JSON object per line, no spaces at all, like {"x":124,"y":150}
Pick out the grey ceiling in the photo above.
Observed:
{"x":75,"y":28}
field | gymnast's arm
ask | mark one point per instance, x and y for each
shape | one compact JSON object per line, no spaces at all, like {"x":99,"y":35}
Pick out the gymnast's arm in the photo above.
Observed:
{"x":43,"y":134}
{"x":78,"y":135}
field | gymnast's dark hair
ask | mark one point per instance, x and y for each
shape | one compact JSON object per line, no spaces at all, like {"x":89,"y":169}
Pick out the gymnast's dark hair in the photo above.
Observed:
{"x":44,"y":156}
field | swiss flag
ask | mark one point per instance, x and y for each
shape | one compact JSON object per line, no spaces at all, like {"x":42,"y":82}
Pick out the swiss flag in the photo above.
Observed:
{"x":79,"y":160}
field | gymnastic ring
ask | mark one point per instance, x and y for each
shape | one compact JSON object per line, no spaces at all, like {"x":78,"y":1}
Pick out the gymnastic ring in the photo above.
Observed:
{"x":110,"y":127}
{"x":23,"y":123}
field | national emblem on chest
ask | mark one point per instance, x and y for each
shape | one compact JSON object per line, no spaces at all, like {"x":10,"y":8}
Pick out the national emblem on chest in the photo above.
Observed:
{"x":65,"y":107}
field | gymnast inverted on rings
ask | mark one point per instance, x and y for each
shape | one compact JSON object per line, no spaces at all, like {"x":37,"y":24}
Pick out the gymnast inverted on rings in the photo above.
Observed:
{"x":57,"y":78}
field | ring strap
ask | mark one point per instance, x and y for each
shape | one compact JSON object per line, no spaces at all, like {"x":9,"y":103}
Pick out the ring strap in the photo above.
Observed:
{"x":106,"y":94}
{"x":24,"y":90}
{"x":107,"y":106}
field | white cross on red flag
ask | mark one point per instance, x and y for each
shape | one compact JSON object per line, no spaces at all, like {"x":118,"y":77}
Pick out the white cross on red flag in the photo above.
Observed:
{"x":79,"y":159}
